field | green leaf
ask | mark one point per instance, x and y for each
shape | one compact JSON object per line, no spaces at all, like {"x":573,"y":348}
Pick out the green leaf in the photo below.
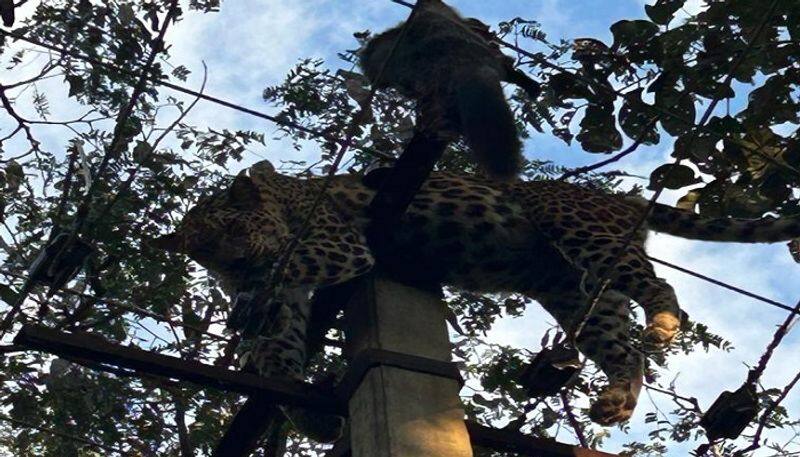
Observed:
{"x":678,"y":116}
{"x":126,"y":15}
{"x":598,"y":130}
{"x":566,"y":86}
{"x":637,"y":119}
{"x":142,"y":151}
{"x":772,"y":103}
{"x":77,"y":85}
{"x":675,"y":43}
{"x":672,"y":176}
{"x":14,"y":175}
{"x":635,"y":39}
{"x":744,"y":200}
{"x":760,"y":148}
{"x":689,"y":201}
{"x":7,"y":294}
{"x":663,"y":10}
{"x":776,"y":189}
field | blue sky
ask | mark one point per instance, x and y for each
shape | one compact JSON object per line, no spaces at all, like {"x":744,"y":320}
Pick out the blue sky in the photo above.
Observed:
{"x":249,"y":45}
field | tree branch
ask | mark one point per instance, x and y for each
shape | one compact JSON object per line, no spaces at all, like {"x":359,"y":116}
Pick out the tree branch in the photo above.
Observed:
{"x":157,"y":45}
{"x":22,"y":123}
{"x":183,"y":431}
{"x":573,"y":421}
{"x":695,"y":405}
{"x":632,"y":148}
{"x":755,"y":374}
{"x":762,"y":423}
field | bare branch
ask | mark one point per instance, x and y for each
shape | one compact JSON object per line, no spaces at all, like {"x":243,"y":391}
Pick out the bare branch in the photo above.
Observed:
{"x":632,"y":148}
{"x":22,"y":123}
{"x":694,"y":405}
{"x":573,"y":421}
{"x":755,"y":374}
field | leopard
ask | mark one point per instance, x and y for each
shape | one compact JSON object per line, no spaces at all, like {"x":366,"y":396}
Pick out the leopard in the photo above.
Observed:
{"x":453,"y":67}
{"x":552,"y":241}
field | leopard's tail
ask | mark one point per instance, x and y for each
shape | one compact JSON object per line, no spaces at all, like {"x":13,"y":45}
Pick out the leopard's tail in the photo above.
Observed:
{"x":689,"y":225}
{"x":487,"y":123}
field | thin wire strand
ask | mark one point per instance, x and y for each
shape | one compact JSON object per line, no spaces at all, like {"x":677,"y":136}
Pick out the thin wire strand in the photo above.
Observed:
{"x":724,"y":285}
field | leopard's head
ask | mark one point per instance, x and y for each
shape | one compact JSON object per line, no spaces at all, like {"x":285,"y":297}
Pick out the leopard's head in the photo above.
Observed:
{"x":235,"y":229}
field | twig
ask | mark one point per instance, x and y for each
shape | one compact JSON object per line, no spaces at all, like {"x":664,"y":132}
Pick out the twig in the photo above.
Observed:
{"x":632,"y":148}
{"x":755,"y":374}
{"x":46,"y":69}
{"x":676,"y":397}
{"x":22,"y":123}
{"x":573,"y":421}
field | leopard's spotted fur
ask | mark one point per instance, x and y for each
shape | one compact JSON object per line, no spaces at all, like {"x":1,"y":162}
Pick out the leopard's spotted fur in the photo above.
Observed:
{"x":550,"y":240}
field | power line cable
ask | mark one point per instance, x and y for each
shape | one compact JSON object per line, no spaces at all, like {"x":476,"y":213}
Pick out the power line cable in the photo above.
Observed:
{"x":723,"y":285}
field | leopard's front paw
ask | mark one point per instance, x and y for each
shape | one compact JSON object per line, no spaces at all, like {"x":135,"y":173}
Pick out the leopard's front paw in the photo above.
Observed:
{"x":661,"y":330}
{"x":614,"y":405}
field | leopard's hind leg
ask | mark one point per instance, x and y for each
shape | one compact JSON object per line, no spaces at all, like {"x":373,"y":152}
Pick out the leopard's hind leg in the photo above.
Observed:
{"x":605,"y":340}
{"x":630,"y":274}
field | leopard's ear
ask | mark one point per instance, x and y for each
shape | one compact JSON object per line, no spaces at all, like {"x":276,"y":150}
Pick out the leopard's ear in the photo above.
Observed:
{"x":171,"y":242}
{"x":243,"y":193}
{"x":263,"y":168}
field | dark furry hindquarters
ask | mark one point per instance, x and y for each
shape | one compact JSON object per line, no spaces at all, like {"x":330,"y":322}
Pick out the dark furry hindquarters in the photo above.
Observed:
{"x":488,"y":123}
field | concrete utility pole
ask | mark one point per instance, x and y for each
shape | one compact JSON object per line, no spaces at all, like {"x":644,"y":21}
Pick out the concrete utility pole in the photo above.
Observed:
{"x":397,"y":412}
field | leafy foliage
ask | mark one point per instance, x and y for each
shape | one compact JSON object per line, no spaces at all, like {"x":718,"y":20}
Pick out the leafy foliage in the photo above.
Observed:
{"x":666,"y":72}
